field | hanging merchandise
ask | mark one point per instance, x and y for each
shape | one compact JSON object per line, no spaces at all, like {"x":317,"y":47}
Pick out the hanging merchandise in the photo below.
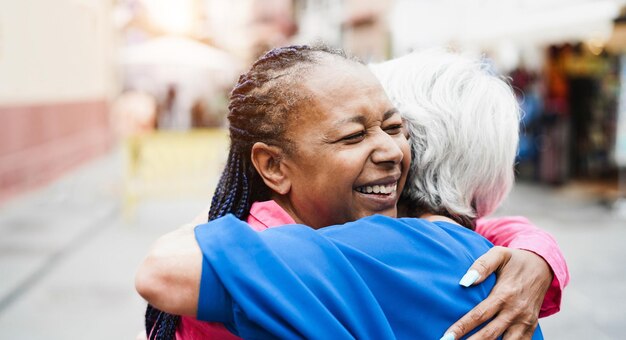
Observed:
{"x":620,"y":138}
{"x":620,"y":143}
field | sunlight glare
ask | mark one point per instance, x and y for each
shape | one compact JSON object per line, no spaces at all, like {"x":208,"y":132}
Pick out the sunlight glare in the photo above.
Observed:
{"x":174,"y":16}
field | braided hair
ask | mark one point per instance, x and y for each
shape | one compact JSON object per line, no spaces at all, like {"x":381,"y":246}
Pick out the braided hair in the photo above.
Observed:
{"x":261,"y":105}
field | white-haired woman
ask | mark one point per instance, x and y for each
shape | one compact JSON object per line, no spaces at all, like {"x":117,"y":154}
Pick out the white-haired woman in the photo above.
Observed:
{"x":463,"y":124}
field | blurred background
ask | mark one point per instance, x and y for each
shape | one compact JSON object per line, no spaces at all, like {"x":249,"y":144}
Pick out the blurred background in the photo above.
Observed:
{"x":112,"y":132}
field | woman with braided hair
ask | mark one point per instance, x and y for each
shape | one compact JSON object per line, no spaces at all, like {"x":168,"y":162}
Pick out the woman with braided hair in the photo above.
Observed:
{"x":313,"y":132}
{"x":279,"y":161}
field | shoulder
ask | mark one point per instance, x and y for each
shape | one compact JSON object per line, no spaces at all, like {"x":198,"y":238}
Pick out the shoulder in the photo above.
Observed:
{"x":378,"y":225}
{"x":379,"y":235}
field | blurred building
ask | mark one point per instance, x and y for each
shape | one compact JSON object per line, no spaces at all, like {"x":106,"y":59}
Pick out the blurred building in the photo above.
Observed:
{"x":56,"y":77}
{"x":360,"y":27}
{"x":365,"y":29}
{"x":247,"y":28}
{"x":170,"y":64}
{"x":187,"y":53}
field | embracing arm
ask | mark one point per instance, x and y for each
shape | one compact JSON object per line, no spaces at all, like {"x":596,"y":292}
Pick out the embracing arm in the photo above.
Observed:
{"x":531,"y":275}
{"x":169,"y":276}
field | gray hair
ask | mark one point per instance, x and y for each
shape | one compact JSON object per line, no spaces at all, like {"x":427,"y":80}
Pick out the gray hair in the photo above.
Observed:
{"x":463,"y":122}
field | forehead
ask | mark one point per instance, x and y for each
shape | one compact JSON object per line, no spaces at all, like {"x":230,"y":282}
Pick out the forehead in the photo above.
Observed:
{"x":342,"y":87}
{"x":333,"y":73}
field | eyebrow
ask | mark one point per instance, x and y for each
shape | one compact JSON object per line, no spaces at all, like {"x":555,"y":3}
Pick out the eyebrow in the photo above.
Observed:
{"x":390,"y":113}
{"x":361,"y":119}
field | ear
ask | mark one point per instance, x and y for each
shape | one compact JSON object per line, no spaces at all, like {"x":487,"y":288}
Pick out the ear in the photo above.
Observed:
{"x":267,"y":161}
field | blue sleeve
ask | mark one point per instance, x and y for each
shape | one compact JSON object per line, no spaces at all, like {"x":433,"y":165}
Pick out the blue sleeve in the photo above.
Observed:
{"x":217,"y":306}
{"x":274,"y":294}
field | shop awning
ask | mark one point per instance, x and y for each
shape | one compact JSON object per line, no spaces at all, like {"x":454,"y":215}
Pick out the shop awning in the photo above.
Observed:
{"x":486,"y":23}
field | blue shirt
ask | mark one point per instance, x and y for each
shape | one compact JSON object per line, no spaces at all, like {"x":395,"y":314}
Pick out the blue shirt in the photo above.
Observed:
{"x":375,"y":278}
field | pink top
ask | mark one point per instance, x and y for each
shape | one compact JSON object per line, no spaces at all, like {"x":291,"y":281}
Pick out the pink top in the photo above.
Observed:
{"x":512,"y":232}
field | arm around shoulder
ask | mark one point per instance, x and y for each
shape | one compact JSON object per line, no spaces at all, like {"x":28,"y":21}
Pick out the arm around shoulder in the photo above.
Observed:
{"x":169,"y":277}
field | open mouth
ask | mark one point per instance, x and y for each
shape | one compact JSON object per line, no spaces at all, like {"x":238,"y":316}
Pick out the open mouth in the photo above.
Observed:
{"x":383,"y":189}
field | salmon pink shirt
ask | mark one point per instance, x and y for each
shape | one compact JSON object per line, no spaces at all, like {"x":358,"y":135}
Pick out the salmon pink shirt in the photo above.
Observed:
{"x":512,"y":232}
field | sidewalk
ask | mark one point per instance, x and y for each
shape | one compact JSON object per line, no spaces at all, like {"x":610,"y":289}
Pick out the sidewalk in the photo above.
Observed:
{"x":69,"y":256}
{"x":592,"y":238}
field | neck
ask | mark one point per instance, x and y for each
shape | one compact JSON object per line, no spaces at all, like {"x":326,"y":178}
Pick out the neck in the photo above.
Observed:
{"x":434,"y":218}
{"x":285,"y":204}
{"x":410,"y":208}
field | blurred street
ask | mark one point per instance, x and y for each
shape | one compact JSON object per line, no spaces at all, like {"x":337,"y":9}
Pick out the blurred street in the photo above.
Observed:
{"x":69,"y":252}
{"x":113,"y":118}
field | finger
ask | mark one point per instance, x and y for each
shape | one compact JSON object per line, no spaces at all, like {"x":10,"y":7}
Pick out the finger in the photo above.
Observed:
{"x":520,"y":331}
{"x":493,"y":329}
{"x":485,"y":265}
{"x":472,"y":319}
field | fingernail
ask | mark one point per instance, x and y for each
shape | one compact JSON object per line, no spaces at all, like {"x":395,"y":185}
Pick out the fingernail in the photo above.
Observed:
{"x":448,"y":336}
{"x":470,"y":277}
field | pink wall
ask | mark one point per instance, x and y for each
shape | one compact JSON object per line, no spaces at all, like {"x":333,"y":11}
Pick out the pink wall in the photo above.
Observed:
{"x":41,"y":142}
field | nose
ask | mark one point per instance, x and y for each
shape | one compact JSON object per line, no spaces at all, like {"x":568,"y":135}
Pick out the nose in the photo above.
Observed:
{"x":386,"y":149}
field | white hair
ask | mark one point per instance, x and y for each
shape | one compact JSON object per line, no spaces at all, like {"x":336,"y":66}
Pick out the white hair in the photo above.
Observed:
{"x":463,"y":122}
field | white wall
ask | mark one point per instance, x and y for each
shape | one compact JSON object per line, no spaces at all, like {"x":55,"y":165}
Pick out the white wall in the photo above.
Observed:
{"x":55,"y":51}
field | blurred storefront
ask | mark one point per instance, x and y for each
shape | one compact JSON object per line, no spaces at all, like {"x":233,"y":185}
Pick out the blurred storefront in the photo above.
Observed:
{"x":569,"y":125}
{"x":564,"y":59}
{"x":571,"y":111}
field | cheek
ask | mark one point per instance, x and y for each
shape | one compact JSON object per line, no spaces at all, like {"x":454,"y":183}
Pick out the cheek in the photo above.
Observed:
{"x":332,"y":171}
{"x":343,"y":162}
{"x":406,"y":160}
{"x":338,"y":174}
{"x":349,"y":165}
{"x":404,"y":145}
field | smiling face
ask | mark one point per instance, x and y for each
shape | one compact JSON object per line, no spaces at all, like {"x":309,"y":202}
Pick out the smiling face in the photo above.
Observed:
{"x":350,"y":157}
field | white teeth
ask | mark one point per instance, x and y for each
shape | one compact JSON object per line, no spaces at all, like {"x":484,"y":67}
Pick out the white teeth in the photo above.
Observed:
{"x":378,"y":189}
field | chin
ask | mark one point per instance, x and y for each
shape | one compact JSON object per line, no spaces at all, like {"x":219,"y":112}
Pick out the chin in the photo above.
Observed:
{"x":387,"y":212}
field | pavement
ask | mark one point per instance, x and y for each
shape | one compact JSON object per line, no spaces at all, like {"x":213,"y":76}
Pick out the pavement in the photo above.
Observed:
{"x":68,"y":253}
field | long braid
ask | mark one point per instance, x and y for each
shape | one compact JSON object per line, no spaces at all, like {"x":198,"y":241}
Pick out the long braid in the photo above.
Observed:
{"x":260,"y":107}
{"x":152,"y":315}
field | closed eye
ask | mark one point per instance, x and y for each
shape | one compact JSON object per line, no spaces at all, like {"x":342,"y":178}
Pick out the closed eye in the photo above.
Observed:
{"x":355,"y":137}
{"x":394,"y":129}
